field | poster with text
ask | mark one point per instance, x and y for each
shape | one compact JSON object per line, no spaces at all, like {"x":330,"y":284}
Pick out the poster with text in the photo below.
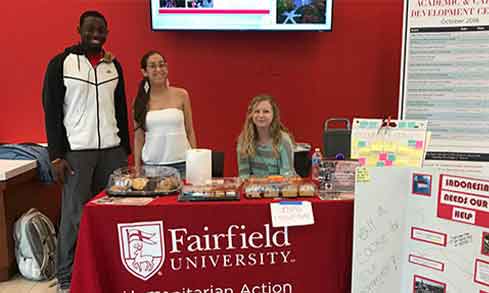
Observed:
{"x":445,"y":80}
{"x":431,"y":234}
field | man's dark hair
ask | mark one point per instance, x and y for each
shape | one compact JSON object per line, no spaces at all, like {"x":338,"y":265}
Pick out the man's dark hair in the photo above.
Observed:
{"x":92,"y":13}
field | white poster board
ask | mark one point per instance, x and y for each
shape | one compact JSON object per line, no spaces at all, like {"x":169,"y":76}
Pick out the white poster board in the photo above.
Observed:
{"x":377,"y":233}
{"x":445,"y":79}
{"x":426,"y":237}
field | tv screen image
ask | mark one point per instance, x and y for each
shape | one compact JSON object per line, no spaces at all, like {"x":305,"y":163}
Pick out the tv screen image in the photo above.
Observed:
{"x":272,"y":15}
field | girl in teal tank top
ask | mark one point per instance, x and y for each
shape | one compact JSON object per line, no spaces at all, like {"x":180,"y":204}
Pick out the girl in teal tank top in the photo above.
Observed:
{"x":265,"y":146}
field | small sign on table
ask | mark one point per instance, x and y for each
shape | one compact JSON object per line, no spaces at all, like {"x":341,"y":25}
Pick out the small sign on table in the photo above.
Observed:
{"x":291,"y":213}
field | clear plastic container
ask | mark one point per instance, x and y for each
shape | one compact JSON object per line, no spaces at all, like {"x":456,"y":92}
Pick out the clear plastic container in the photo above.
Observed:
{"x":216,"y":189}
{"x":145,"y":181}
{"x":275,"y":187}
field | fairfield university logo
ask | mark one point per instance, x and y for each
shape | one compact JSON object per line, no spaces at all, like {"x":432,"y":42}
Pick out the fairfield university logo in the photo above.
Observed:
{"x":142,"y":248}
{"x":200,"y":247}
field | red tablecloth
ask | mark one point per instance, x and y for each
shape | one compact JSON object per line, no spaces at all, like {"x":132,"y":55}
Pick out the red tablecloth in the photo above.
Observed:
{"x":173,"y":247}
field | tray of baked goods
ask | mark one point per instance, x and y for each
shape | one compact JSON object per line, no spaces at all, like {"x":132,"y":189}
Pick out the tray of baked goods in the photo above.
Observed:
{"x":216,"y":189}
{"x":278,"y":186}
{"x":144,"y":181}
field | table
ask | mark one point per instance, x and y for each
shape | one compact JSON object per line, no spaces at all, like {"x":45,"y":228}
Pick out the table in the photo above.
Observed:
{"x":20,"y":190}
{"x":174,"y":247}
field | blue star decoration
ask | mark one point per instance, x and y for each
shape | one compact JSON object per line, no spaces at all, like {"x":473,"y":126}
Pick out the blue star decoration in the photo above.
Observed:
{"x":290,"y":16}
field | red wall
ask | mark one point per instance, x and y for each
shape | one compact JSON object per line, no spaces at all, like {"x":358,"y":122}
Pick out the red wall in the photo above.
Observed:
{"x":350,"y":72}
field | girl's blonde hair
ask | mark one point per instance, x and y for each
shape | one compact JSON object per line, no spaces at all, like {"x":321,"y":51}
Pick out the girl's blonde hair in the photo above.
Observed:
{"x":249,"y":135}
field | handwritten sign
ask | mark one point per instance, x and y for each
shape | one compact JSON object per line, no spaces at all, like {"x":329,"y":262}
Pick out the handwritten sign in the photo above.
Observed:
{"x":362,"y":175}
{"x":378,"y":228}
{"x":291,"y":213}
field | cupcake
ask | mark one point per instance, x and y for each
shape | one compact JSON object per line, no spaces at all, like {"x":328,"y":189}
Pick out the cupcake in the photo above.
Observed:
{"x":167,"y":184}
{"x":139,"y":183}
{"x":120,"y":183}
{"x":271,"y":191}
{"x":253,"y":190}
{"x":290,"y":190}
{"x":307,"y":189}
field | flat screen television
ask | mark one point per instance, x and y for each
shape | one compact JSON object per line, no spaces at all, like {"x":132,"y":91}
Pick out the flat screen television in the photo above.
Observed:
{"x":267,"y":15}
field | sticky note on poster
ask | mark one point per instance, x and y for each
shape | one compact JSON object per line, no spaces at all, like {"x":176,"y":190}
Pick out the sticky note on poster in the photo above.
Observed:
{"x":361,"y":175}
{"x":390,"y":147}
{"x":377,"y":146}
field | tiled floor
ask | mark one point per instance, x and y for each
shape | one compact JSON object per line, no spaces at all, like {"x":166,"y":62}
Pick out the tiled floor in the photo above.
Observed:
{"x":20,"y":285}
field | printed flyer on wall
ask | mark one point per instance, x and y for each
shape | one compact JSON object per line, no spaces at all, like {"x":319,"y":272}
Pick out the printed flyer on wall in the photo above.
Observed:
{"x":423,"y":231}
{"x":444,"y":79}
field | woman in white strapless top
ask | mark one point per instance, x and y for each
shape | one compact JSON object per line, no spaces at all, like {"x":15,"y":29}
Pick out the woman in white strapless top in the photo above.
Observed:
{"x":162,"y":118}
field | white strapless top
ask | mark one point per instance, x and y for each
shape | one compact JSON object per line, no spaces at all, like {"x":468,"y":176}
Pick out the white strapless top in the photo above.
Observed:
{"x":165,"y":138}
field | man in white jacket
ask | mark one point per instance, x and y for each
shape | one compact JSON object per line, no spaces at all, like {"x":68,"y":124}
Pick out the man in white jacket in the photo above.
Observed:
{"x":86,"y":125}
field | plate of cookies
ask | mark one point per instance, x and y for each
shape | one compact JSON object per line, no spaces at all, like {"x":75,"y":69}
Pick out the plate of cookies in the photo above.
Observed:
{"x":144,"y":181}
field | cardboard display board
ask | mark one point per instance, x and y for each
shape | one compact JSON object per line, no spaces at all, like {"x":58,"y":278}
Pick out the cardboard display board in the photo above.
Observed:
{"x":419,"y":230}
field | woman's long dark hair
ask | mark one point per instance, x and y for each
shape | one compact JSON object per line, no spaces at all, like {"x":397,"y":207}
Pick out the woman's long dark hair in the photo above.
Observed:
{"x":140,"y":107}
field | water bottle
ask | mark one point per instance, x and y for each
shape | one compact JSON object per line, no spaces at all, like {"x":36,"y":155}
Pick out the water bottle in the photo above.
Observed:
{"x":316,"y":159}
